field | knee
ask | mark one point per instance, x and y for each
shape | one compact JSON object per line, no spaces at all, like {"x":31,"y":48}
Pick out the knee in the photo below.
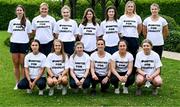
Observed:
{"x":64,"y":81}
{"x":157,"y":82}
{"x":139,"y":81}
{"x":50,"y":83}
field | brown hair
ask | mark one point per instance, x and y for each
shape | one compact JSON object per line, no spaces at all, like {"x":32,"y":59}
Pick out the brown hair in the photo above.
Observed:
{"x":85,"y":20}
{"x":147,"y":41}
{"x":115,"y":15}
{"x":23,"y":19}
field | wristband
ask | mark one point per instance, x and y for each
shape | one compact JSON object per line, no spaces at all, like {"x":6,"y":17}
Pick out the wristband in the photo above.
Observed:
{"x":127,"y":75}
{"x":107,"y":76}
{"x":84,"y":77}
{"x":145,"y":75}
{"x":52,"y":76}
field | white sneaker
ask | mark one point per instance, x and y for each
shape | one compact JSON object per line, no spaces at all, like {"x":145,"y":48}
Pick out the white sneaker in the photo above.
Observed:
{"x":16,"y":86}
{"x":116,"y":91}
{"x":51,"y":91}
{"x":41,"y":92}
{"x":125,"y":90}
{"x":147,"y":84}
{"x":64,"y":90}
{"x":29,"y":91}
{"x":59,"y":87}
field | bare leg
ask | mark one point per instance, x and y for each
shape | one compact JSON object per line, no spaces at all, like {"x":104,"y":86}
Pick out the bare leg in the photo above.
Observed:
{"x":15,"y":58}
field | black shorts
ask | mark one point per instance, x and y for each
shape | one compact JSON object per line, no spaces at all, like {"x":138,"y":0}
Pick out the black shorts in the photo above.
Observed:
{"x":19,"y":47}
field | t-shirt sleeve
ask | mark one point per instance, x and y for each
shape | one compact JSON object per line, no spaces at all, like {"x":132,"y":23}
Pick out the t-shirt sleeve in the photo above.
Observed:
{"x":88,"y":62}
{"x":98,"y":32}
{"x":145,"y":22}
{"x":43,"y":61}
{"x":55,"y":28}
{"x":48,"y":62}
{"x":164,"y":22}
{"x":76,"y":30}
{"x":139,"y":21}
{"x":157,"y":62}
{"x":29,"y":27}
{"x":101,"y":31}
{"x":137,"y":61}
{"x":71,"y":65}
{"x":130,"y":57}
{"x":66,"y":63}
{"x":26,"y":61}
{"x":113,"y":57}
{"x":53,"y":23}
{"x":33,"y":24}
{"x":10,"y":27}
{"x":80,"y":29}
{"x":119,"y":26}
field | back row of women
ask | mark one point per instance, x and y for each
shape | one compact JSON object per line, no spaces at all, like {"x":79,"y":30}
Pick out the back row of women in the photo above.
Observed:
{"x":127,"y":28}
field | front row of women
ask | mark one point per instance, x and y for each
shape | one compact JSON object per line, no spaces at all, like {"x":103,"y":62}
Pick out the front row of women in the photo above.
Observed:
{"x":100,"y":67}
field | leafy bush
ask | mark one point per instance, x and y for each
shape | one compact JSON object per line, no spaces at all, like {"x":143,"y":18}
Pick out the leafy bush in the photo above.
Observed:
{"x":173,"y":42}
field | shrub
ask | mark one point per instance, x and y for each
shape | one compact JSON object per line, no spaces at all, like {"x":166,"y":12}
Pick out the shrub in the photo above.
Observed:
{"x":172,"y":43}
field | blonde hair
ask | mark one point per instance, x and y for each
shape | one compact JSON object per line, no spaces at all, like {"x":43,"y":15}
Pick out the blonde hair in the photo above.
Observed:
{"x":147,"y":41}
{"x":62,"y":49}
{"x":126,"y":6}
{"x":65,"y":7}
{"x":155,"y":5}
{"x":44,"y":4}
{"x":75,"y":45}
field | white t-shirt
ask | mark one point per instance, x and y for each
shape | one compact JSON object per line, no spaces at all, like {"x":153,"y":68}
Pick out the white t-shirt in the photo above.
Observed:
{"x":110,"y":31}
{"x":79,"y":64}
{"x":66,"y":30}
{"x":56,"y":64}
{"x":154,"y":30}
{"x":89,"y":34}
{"x":148,"y":63}
{"x":34,"y":63}
{"x":44,"y":28}
{"x":19,"y":35}
{"x":129,"y":25}
{"x":121,"y":63}
{"x":101,"y":65}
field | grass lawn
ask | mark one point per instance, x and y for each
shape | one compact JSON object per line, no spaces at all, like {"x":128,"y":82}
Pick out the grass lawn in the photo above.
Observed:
{"x":169,"y":93}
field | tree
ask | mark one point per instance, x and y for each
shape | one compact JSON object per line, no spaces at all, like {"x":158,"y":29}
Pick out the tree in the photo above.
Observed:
{"x":73,"y":8}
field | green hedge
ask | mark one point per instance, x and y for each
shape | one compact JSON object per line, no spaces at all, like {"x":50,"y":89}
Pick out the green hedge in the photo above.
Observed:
{"x":168,"y":7}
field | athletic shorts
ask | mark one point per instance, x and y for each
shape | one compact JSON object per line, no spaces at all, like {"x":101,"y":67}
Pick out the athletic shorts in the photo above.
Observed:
{"x":19,"y":47}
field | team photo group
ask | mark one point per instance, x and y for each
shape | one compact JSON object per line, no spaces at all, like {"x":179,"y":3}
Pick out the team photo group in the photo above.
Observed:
{"x":60,"y":54}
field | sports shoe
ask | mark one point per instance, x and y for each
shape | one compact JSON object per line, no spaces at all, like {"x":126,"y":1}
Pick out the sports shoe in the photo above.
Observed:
{"x":116,"y":91}
{"x":154,"y":91}
{"x":138,"y":91}
{"x":16,"y":86}
{"x":51,"y":91}
{"x":59,"y":86}
{"x":85,"y":91}
{"x":76,"y":90}
{"x":29,"y":91}
{"x":64,"y":90}
{"x":147,"y":84}
{"x":125,"y":90}
{"x":41,"y":92}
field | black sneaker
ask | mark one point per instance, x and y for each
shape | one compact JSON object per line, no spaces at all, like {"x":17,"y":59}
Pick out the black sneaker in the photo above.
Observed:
{"x":138,"y":91}
{"x":93,"y":92}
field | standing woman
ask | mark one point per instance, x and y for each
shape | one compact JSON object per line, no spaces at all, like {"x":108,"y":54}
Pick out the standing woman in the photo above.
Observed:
{"x":100,"y":67}
{"x":34,"y":64}
{"x":131,"y":27}
{"x":121,"y":67}
{"x":155,"y":28}
{"x":66,"y":30}
{"x":110,"y":30}
{"x":148,"y":65}
{"x":79,"y":68}
{"x":89,"y":31}
{"x":19,"y":29}
{"x":57,"y":66}
{"x":43,"y":26}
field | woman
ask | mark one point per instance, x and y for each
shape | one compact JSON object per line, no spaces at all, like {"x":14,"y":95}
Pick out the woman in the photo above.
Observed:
{"x":57,"y":66}
{"x":34,"y":64}
{"x":100,"y":67}
{"x":148,"y":65}
{"x":155,"y":28}
{"x":66,"y":30}
{"x":19,"y":29}
{"x":43,"y":26}
{"x":121,"y":67}
{"x":89,"y":31}
{"x":110,"y":29}
{"x":79,"y":68}
{"x":131,"y":27}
